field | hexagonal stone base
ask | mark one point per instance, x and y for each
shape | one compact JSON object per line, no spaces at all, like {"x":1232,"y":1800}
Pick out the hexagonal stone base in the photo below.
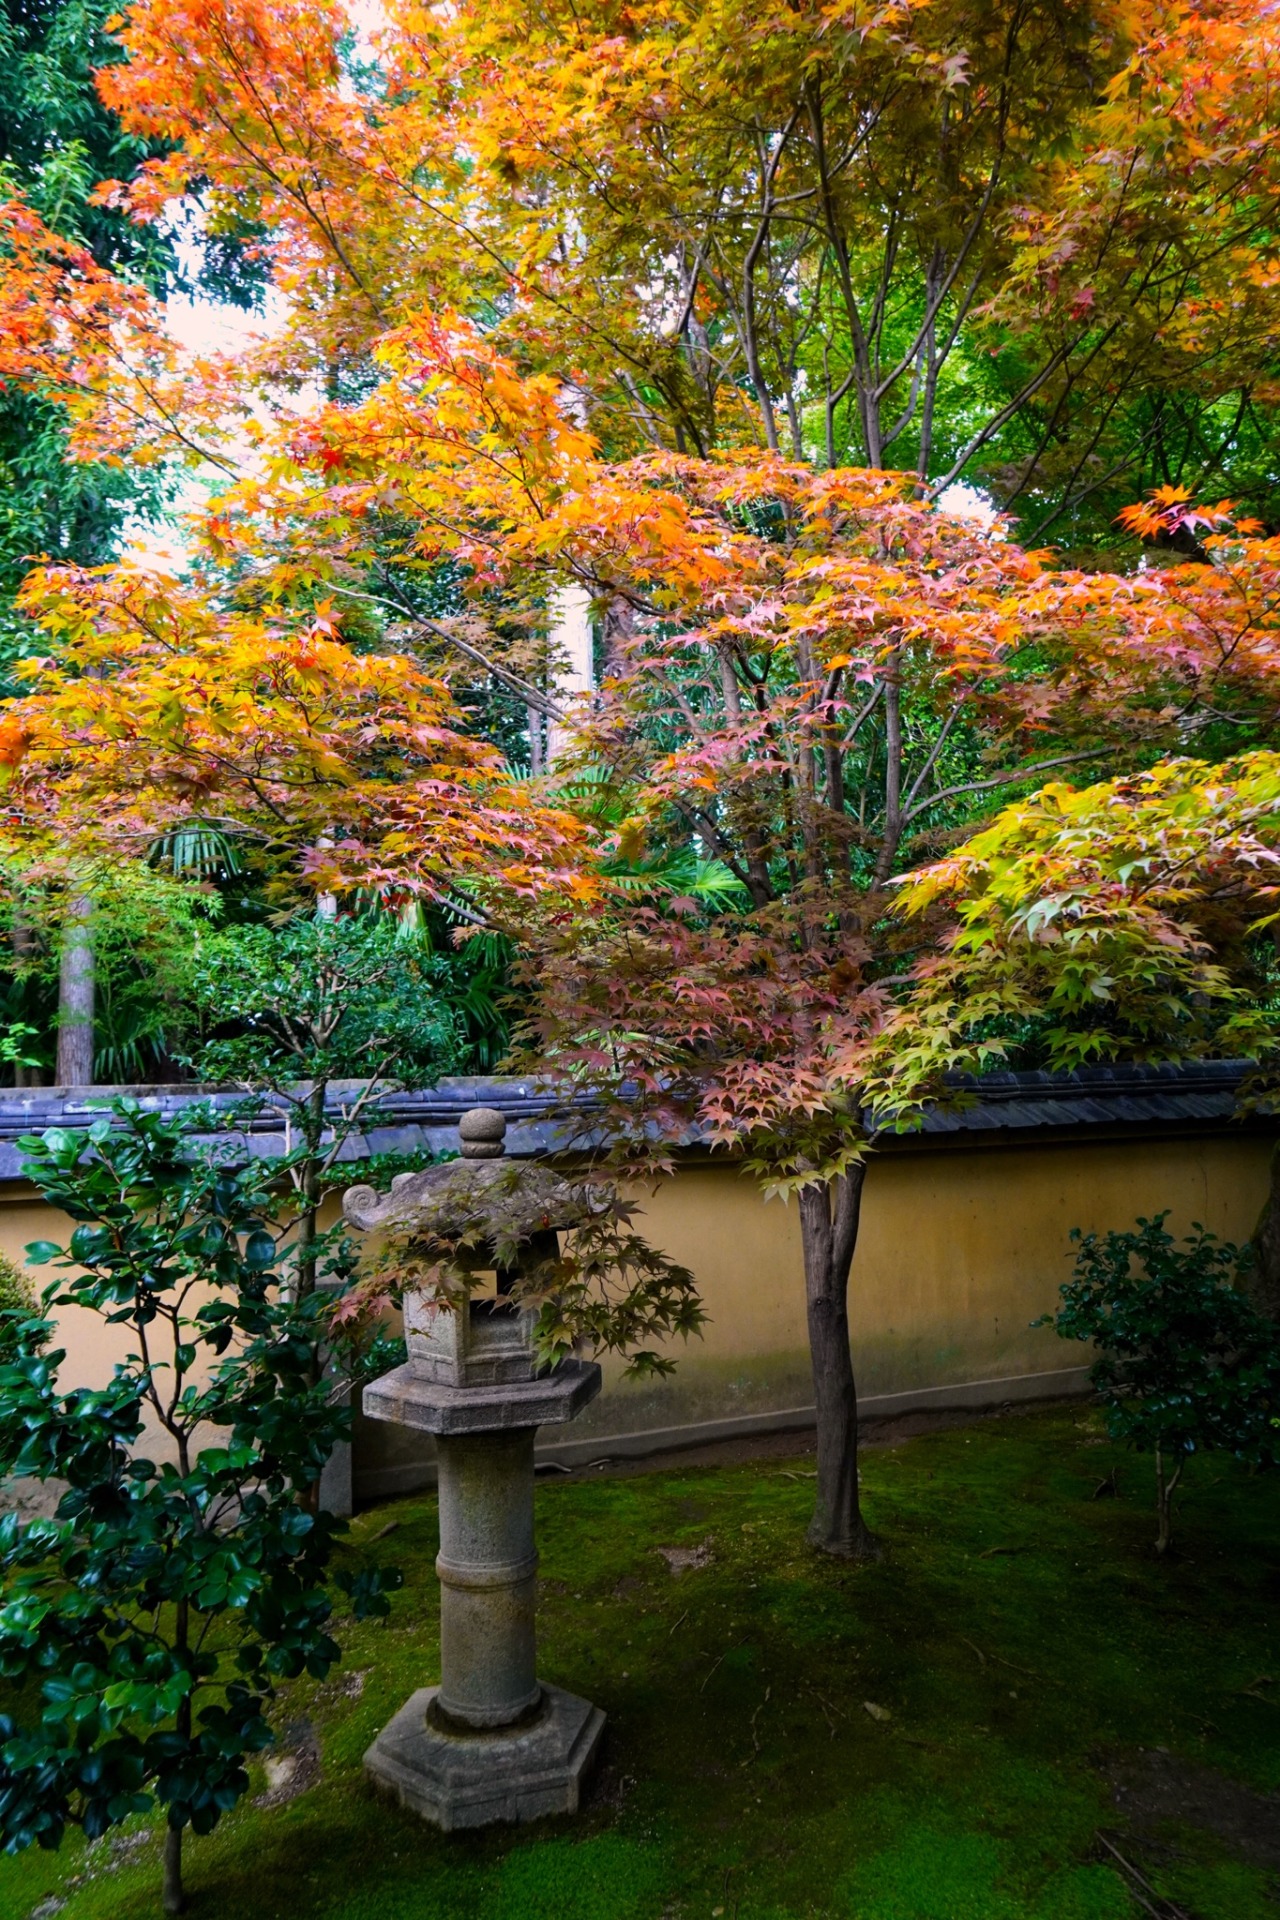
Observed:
{"x":476,"y":1779}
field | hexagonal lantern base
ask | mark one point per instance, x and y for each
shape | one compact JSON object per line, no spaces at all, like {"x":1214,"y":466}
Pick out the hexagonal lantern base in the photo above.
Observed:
{"x":477,"y":1779}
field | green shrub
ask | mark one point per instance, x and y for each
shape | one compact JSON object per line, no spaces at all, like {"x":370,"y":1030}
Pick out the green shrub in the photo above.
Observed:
{"x":147,"y":1625}
{"x":1187,"y":1362}
{"x":17,"y":1299}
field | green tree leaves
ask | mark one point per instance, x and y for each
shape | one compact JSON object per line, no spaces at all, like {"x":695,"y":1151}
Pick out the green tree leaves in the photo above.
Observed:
{"x":156,"y":1611}
{"x":1188,"y":1363}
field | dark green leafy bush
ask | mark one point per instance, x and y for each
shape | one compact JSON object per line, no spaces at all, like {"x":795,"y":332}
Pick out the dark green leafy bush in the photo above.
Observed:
{"x":1187,"y":1363}
{"x":146,"y":1624}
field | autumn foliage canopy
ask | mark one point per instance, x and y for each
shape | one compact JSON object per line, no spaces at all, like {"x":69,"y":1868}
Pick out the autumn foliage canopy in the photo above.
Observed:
{"x":519,"y":343}
{"x":697,"y":310}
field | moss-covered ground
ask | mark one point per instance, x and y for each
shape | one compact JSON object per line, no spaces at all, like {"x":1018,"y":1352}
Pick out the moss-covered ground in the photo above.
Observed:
{"x":1022,"y":1649}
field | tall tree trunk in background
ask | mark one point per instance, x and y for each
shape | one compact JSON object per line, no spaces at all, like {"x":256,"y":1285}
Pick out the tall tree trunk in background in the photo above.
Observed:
{"x":75,"y":996}
{"x":22,"y":938}
{"x":572,"y":644}
{"x":829,"y":1232}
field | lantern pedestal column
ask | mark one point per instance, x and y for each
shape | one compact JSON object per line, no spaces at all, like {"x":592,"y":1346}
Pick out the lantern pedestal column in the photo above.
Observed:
{"x":491,"y":1742}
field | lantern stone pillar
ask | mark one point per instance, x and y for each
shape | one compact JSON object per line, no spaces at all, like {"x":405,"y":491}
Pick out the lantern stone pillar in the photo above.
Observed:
{"x":491,"y":1741}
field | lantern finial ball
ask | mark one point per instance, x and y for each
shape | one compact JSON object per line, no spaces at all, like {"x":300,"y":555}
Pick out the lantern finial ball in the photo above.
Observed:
{"x":482,"y":1131}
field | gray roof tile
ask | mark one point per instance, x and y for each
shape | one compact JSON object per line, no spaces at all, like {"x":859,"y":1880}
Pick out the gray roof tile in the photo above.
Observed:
{"x":425,"y":1119}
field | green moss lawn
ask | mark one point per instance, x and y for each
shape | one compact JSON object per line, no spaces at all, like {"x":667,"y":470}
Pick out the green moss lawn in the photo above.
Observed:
{"x":938,"y":1737}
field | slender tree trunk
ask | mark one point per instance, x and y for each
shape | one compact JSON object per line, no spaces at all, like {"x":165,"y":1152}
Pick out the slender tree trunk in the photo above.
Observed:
{"x":1165,"y":1484}
{"x":829,"y":407}
{"x":892,"y":833}
{"x":175,"y":1899}
{"x":75,"y":996}
{"x":619,"y":631}
{"x":311,"y":1195}
{"x":759,"y":384}
{"x":793,"y":419}
{"x":752,"y":838}
{"x":22,"y":938}
{"x":313,"y":1123}
{"x":829,"y":1231}
{"x":928,"y":403}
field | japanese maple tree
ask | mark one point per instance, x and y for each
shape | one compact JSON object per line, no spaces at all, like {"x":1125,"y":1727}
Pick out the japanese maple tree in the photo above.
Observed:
{"x":820,"y":681}
{"x":165,"y":705}
{"x":1133,"y":915}
{"x":816,"y":680}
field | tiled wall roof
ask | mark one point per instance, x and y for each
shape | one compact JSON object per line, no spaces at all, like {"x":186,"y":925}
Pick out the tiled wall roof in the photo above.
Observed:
{"x":1149,"y":1099}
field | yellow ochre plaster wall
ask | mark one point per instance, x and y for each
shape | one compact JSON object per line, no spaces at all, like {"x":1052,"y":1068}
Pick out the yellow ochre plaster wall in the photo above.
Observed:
{"x":960,"y":1249}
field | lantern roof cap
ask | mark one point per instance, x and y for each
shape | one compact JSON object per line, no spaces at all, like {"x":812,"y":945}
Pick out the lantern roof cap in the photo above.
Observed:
{"x":480,"y":1198}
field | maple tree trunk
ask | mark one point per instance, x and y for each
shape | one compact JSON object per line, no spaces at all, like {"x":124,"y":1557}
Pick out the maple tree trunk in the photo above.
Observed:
{"x":76,"y":996}
{"x":829,"y":1232}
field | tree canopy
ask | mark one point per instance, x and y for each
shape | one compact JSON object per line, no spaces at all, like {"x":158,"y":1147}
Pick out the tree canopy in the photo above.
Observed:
{"x":1030,"y":242}
{"x":698,"y":312}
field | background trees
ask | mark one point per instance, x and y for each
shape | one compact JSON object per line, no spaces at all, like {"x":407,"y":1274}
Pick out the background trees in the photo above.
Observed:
{"x":170,"y":732}
{"x":92,"y":1015}
{"x":57,"y":143}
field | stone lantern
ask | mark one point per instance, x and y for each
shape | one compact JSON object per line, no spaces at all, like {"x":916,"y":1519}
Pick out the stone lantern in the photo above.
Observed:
{"x":491,"y":1742}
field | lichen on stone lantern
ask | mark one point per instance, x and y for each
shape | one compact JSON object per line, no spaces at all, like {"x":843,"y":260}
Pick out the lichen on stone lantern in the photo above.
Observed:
{"x":490,"y":1742}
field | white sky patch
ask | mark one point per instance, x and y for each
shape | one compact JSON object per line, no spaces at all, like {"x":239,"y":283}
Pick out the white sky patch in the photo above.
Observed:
{"x":203,"y":326}
{"x":151,"y":548}
{"x":203,"y":329}
{"x":968,"y":503}
{"x":208,"y":326}
{"x":368,"y":20}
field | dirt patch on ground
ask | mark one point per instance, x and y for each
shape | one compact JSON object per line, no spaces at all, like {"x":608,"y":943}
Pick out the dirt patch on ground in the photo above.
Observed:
{"x":608,"y":1787}
{"x":1155,"y":1788}
{"x":687,"y":1559}
{"x":294,"y":1768}
{"x":348,"y":1685}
